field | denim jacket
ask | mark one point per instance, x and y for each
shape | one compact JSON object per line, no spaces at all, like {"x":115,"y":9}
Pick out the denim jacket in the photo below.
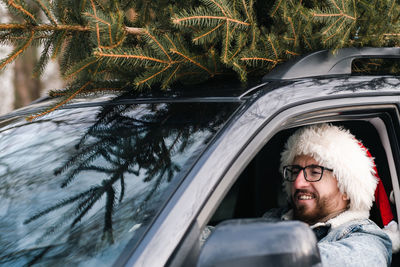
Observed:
{"x":350,"y":239}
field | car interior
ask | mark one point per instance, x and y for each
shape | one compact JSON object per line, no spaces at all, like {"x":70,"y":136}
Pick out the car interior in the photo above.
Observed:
{"x":259,"y":187}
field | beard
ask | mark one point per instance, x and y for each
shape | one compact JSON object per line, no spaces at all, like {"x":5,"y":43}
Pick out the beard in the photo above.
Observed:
{"x":312,"y":215}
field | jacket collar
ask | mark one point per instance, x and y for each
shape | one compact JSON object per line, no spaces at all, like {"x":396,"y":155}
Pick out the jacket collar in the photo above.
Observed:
{"x":342,"y":218}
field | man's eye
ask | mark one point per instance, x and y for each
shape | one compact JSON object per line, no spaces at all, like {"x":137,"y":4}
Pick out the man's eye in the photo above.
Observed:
{"x":295,"y":171}
{"x":315,"y":171}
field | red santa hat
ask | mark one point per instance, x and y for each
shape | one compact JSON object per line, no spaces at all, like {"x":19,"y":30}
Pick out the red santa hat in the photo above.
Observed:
{"x":353,"y":166}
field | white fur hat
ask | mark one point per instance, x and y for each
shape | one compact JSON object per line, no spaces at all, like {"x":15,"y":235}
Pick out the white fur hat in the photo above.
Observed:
{"x":353,"y":166}
{"x":336,"y":148}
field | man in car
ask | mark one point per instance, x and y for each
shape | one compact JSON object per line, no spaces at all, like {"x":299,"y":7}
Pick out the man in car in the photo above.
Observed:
{"x":330,"y":179}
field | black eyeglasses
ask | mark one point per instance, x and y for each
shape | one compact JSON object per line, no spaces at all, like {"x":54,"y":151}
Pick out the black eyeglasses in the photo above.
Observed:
{"x":312,"y":173}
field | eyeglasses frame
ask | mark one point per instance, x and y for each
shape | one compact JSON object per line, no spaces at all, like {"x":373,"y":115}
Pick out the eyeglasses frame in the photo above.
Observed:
{"x":304,"y":172}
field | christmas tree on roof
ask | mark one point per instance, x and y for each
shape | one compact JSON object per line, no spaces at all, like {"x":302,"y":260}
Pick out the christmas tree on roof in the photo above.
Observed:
{"x":110,"y":45}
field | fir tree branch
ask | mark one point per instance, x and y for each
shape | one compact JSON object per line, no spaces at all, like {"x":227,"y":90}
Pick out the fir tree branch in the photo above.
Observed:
{"x":43,"y":59}
{"x":336,"y":5}
{"x":46,"y":11}
{"x":18,"y":51}
{"x":391,"y":8}
{"x":307,"y":43}
{"x":134,"y":31}
{"x":222,"y":9}
{"x":344,"y":22}
{"x":22,"y":10}
{"x":115,"y":45}
{"x":334,"y":15}
{"x":97,"y":24}
{"x":178,"y":21}
{"x":55,"y":93}
{"x":236,"y":53}
{"x":170,"y":41}
{"x":141,"y":57}
{"x":253,"y":23}
{"x":44,"y":27}
{"x":80,"y":69}
{"x":60,"y":27}
{"x":226,"y":42}
{"x":100,"y":4}
{"x":273,"y":47}
{"x":260,"y":59}
{"x":158,"y":44}
{"x":31,"y":118}
{"x":193,"y":61}
{"x":342,"y":12}
{"x":277,"y":6}
{"x":331,"y":26}
{"x":209,"y":32}
{"x":152,"y":76}
{"x":391,"y":34}
{"x":291,"y":53}
{"x":167,"y":81}
{"x":214,"y":61}
{"x":355,"y":8}
{"x":241,"y":70}
{"x":58,"y":44}
{"x":96,"y":39}
{"x":246,"y":11}
{"x":336,"y":32}
{"x":293,"y":31}
{"x":105,"y":23}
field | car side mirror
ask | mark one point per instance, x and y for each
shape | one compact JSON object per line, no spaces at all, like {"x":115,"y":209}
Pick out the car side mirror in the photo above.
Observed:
{"x":256,"y":242}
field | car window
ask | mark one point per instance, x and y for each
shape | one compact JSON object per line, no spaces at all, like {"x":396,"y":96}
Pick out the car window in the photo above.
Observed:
{"x":259,"y":187}
{"x":79,"y":184}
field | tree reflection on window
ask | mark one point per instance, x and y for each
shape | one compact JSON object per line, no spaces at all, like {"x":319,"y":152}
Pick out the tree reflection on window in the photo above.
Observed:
{"x":117,"y":177}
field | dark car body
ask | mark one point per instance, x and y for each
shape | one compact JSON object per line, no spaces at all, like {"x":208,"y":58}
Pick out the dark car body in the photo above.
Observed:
{"x":138,"y":178}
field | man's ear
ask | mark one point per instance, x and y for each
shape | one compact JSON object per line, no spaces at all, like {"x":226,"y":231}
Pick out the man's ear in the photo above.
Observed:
{"x":345,"y":197}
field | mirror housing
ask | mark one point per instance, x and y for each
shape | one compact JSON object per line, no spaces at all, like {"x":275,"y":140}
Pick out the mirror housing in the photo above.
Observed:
{"x":256,"y":242}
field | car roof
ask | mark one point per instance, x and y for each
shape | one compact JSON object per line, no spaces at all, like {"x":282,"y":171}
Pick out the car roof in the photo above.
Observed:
{"x":219,"y":90}
{"x":306,"y":89}
{"x":299,"y":78}
{"x":328,"y":63}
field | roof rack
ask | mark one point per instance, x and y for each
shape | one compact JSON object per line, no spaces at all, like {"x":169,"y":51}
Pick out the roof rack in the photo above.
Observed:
{"x":326,"y":63}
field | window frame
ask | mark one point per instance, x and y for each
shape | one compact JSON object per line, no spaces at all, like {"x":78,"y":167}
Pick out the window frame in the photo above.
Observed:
{"x":366,"y":112}
{"x":203,"y":196}
{"x":382,"y":113}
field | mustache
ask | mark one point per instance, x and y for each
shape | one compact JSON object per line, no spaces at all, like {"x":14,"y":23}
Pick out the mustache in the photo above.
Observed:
{"x":304,"y":191}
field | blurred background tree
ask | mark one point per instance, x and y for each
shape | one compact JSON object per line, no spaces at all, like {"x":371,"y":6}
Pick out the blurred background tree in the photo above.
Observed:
{"x":18,"y":86}
{"x":104,"y":45}
{"x":26,"y":86}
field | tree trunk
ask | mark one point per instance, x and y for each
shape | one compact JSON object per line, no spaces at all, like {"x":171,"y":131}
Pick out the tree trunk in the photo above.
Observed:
{"x":27,"y":88}
{"x":6,"y":76}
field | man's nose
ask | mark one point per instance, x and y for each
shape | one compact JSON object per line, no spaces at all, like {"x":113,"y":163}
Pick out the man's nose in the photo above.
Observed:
{"x":300,"y":180}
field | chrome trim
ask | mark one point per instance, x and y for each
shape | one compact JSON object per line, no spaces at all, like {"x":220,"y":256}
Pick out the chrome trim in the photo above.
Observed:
{"x":251,"y":90}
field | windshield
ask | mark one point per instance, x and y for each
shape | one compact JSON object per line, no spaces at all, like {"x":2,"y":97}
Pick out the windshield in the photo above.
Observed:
{"x":79,"y":184}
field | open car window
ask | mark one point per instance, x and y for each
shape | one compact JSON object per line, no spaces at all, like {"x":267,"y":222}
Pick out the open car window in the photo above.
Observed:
{"x":259,"y":187}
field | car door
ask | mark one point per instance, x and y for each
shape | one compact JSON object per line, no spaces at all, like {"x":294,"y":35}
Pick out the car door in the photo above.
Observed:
{"x":266,"y":113}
